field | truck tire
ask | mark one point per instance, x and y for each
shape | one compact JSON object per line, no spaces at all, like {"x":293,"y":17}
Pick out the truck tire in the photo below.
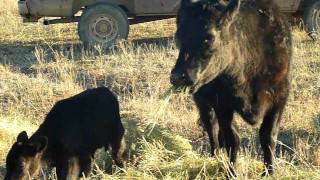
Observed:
{"x":103,"y":24}
{"x":312,"y":18}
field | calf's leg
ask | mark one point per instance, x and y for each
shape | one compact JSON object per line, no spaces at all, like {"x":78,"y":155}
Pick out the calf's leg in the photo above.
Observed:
{"x":116,"y":145}
{"x":85,"y":162}
{"x":67,"y":168}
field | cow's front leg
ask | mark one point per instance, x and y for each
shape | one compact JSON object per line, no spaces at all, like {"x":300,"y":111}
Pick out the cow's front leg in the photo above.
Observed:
{"x":229,"y":134}
{"x":208,"y":121}
{"x":268,"y":136}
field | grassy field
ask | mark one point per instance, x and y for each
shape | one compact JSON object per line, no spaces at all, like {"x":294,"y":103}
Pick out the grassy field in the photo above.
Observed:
{"x":40,"y":65}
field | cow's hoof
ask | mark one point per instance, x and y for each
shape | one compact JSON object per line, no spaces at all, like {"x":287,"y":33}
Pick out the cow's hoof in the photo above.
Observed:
{"x":267,"y":173}
{"x":231,"y":174}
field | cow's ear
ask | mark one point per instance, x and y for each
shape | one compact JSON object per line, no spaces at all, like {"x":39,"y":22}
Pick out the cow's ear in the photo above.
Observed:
{"x":38,"y":146}
{"x":228,"y":12}
{"x":22,"y":137}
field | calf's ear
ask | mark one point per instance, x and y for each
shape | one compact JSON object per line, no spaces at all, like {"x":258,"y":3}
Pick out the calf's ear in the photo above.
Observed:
{"x":22,"y":137}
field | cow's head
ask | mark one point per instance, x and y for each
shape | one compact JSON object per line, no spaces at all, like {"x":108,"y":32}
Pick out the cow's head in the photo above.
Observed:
{"x":199,"y":23}
{"x":24,"y":158}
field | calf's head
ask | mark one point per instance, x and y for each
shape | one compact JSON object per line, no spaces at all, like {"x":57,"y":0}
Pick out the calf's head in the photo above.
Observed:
{"x":199,"y":23}
{"x":24,"y":157}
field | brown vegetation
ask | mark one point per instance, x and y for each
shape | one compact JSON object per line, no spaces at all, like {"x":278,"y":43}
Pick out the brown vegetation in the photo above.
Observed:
{"x":40,"y":65}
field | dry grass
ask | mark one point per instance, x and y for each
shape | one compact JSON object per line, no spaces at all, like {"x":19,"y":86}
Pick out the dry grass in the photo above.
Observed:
{"x":40,"y":65}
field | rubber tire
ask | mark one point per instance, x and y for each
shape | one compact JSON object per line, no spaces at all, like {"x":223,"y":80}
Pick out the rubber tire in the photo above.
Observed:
{"x":309,"y":18}
{"x":90,"y":12}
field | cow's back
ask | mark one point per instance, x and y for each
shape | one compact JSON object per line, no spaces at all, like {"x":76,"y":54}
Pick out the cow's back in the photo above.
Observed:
{"x":259,"y":43}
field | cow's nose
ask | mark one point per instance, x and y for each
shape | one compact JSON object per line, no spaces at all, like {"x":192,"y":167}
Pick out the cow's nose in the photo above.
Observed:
{"x":175,"y":78}
{"x":178,"y":79}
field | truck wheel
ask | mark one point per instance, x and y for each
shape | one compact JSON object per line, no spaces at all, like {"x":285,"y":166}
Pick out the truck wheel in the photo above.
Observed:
{"x":312,"y":18}
{"x":103,"y":24}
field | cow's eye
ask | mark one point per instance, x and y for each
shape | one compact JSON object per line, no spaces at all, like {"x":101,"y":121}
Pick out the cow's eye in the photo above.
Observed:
{"x":210,"y":38}
{"x":207,"y":43}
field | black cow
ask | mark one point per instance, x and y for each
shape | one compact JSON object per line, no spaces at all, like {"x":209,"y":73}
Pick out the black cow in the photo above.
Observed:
{"x":68,"y":138}
{"x":236,"y":58}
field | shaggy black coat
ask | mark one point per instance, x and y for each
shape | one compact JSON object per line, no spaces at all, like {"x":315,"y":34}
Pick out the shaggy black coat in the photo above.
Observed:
{"x":236,"y":59}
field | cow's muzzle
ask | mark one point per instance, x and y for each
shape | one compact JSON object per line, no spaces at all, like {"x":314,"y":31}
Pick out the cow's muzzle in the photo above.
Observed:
{"x":180,"y":79}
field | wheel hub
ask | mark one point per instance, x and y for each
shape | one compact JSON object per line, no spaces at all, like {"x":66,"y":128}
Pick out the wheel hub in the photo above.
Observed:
{"x":103,"y":29}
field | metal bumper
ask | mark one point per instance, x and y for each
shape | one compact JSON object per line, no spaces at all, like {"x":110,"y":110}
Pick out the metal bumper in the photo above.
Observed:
{"x":23,"y":8}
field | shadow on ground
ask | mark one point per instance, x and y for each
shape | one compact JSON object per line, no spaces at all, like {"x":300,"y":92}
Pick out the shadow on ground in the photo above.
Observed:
{"x":160,"y":42}
{"x":292,"y":144}
{"x":23,"y":55}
